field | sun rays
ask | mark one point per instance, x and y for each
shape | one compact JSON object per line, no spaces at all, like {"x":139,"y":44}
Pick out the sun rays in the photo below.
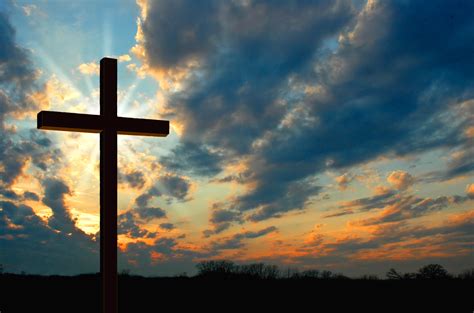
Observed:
{"x":77,"y":92}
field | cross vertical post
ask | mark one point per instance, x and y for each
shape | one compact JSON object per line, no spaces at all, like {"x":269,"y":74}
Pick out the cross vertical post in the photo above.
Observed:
{"x":108,"y":185}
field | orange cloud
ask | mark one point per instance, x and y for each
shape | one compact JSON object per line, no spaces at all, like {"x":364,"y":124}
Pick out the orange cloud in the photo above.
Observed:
{"x":400,"y":179}
{"x":470,"y":191}
{"x":343,"y":181}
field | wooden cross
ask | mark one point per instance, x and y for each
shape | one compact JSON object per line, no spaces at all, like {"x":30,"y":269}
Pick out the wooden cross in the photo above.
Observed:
{"x":108,"y":124}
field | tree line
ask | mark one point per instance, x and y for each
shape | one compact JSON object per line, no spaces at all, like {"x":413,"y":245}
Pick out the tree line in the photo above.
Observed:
{"x":224,"y":269}
{"x":229,"y":269}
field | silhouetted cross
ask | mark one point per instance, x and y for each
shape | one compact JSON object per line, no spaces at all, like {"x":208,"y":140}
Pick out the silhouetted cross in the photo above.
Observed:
{"x":108,"y":125}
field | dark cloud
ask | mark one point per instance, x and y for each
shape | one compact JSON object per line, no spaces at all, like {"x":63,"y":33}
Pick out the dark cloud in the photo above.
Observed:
{"x":9,"y":194}
{"x":31,"y":245}
{"x":17,"y":75}
{"x":245,"y":65}
{"x":409,"y":207}
{"x":134,"y":179}
{"x":391,"y":84}
{"x":239,"y":178}
{"x":339,"y":213}
{"x":167,"y":226}
{"x":145,"y":198}
{"x":150,"y":213}
{"x":378,"y":201}
{"x":175,"y":187}
{"x":295,"y":197}
{"x":221,"y":219}
{"x":237,"y":240}
{"x":54,"y":192}
{"x":163,"y":257}
{"x":168,"y":187}
{"x":17,"y":82}
{"x":177,"y":31}
{"x":127,"y":225}
{"x":460,"y":164}
{"x":28,"y":195}
{"x":193,"y":159}
{"x":394,"y":207}
{"x":28,"y":242}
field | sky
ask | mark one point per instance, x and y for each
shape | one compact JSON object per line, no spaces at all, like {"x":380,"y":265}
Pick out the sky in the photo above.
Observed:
{"x":331,"y":135}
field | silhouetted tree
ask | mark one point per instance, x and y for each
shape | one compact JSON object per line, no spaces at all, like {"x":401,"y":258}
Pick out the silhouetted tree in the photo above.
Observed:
{"x":125,"y":272}
{"x":310,"y":274}
{"x":221,"y":268}
{"x":326,"y":274}
{"x":182,"y":275}
{"x":393,"y":274}
{"x":369,"y":277}
{"x":433,"y":271}
{"x":292,"y":273}
{"x":259,"y":271}
{"x":272,"y":272}
{"x":467,"y":274}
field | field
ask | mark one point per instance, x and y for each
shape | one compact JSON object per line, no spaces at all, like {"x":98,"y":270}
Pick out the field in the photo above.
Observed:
{"x":31,"y":293}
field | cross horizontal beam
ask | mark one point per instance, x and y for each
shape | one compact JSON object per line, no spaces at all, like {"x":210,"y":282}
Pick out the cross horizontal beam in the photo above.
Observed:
{"x":86,"y":123}
{"x":89,"y":123}
{"x":142,"y":127}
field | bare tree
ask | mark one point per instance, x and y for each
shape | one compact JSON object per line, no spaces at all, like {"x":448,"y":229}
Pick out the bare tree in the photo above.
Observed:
{"x":433,"y":271}
{"x":393,"y":274}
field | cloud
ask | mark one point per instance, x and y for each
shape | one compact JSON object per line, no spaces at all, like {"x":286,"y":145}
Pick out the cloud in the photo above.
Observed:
{"x":470,"y":191}
{"x":295,"y":197}
{"x":344,"y":180}
{"x":54,"y":192}
{"x":331,"y":88}
{"x":29,"y":242}
{"x":237,"y":240}
{"x":175,"y":187}
{"x":151,"y":213}
{"x":127,"y":225}
{"x":18,"y":82}
{"x":393,"y":206}
{"x":170,"y":187}
{"x":193,"y":159}
{"x":387,"y":197}
{"x":409,"y":207}
{"x":167,"y":226}
{"x":134,"y":179}
{"x":29,"y":9}
{"x":91,"y":68}
{"x":399,"y":243}
{"x":221,"y":220}
{"x":145,"y":198}
{"x":164,"y":256}
{"x":31,"y":245}
{"x":17,"y":71}
{"x":400,"y":179}
{"x":339,"y":213}
{"x":124,"y":58}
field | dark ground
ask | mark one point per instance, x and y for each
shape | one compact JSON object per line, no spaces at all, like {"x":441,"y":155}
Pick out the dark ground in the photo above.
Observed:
{"x":27,"y":293}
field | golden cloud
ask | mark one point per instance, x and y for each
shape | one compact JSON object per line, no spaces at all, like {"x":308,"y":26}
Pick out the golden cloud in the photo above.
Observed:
{"x":91,"y":68}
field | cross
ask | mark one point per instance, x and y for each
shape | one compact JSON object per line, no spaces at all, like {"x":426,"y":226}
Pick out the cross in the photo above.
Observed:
{"x":108,"y":124}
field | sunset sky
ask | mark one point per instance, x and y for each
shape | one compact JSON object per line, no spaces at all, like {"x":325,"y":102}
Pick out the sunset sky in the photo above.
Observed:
{"x":334,"y":135}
